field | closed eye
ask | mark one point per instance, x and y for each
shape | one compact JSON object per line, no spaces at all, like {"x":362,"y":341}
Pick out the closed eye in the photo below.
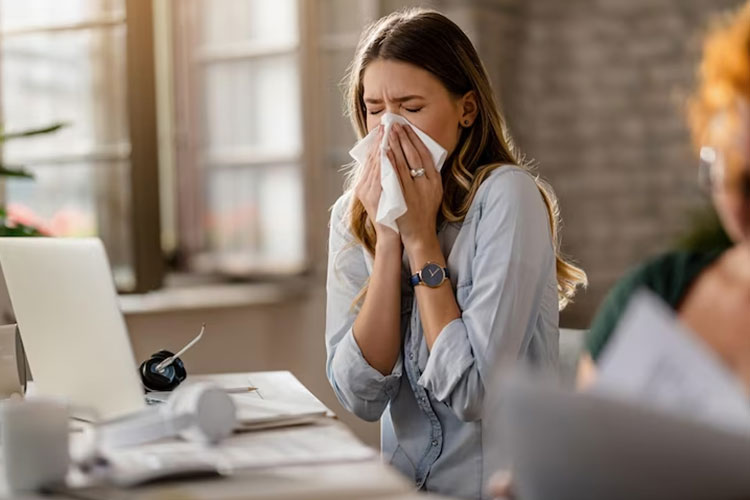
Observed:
{"x":375,"y":112}
{"x":413,"y":110}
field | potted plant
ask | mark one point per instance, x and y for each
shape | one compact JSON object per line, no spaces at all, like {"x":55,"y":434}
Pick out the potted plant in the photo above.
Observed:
{"x":8,"y":225}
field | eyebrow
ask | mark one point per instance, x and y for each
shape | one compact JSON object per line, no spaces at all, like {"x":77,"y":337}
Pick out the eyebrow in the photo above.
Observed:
{"x":396,"y":99}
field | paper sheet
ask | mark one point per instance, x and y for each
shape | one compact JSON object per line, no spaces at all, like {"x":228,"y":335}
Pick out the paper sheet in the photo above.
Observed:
{"x":255,"y":413}
{"x":654,"y":359}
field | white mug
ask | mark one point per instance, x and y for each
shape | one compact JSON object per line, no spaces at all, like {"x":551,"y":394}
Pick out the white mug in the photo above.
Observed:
{"x":35,"y":442}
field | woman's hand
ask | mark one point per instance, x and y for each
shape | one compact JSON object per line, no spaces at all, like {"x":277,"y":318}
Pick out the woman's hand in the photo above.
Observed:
{"x":423,"y":193}
{"x":368,"y":191}
{"x":500,"y":485}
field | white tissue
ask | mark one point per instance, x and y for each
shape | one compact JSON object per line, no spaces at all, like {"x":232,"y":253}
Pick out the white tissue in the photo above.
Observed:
{"x":392,"y":204}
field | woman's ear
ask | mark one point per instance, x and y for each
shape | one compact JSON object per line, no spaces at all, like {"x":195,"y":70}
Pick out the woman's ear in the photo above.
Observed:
{"x":469,"y":108}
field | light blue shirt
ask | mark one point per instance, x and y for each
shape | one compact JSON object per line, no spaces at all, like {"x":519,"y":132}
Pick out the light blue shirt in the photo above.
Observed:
{"x":501,"y":264}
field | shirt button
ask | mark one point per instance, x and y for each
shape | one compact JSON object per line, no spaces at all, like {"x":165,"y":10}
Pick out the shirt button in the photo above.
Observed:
{"x":434,"y":442}
{"x":411,"y":356}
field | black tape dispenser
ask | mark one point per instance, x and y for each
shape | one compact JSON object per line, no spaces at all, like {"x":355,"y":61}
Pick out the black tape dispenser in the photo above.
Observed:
{"x":164,"y":371}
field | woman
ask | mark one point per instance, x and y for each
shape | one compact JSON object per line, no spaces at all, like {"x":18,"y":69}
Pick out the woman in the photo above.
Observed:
{"x":709,"y":290}
{"x":418,"y":355}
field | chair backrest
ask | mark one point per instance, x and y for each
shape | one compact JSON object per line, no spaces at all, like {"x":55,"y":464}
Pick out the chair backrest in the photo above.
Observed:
{"x":571,"y":346}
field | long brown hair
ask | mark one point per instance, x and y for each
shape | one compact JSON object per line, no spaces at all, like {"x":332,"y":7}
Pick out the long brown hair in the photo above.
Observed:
{"x":431,"y":41}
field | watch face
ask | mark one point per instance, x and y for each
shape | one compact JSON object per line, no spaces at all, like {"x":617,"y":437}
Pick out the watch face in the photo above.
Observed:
{"x":432,"y":275}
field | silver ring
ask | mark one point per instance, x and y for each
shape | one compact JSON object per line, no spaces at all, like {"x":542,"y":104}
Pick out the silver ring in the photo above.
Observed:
{"x":417,"y":173}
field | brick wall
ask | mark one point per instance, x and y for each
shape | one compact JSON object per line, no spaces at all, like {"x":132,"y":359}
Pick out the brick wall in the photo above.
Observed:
{"x":594,"y":92}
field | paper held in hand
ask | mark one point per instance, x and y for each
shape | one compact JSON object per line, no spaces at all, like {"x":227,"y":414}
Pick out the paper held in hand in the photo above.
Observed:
{"x":656,"y":360}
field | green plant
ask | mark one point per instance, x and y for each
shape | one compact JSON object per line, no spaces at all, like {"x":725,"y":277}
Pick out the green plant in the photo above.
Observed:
{"x":9,"y":227}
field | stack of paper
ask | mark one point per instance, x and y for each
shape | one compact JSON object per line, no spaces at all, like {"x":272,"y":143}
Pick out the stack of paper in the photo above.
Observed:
{"x":255,"y":413}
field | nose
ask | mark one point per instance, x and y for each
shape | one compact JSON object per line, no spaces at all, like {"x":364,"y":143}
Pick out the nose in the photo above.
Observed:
{"x":393,"y":107}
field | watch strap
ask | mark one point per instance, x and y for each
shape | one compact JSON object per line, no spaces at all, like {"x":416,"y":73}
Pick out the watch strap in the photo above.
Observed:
{"x":416,"y":279}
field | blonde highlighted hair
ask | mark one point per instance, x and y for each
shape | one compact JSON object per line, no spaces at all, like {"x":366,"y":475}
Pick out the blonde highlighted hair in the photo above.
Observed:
{"x":430,"y":41}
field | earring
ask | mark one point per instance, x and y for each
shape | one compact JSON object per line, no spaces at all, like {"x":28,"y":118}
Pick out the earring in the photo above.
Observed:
{"x":466,"y":123}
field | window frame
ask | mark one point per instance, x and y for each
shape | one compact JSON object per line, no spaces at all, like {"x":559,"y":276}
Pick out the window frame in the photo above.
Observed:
{"x":148,"y":256}
{"x":191,"y":160}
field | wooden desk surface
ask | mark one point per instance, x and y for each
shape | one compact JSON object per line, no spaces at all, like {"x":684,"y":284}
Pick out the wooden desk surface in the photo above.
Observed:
{"x":370,"y":479}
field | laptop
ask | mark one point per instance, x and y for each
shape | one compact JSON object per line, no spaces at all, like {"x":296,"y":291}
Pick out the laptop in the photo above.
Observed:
{"x":76,"y":341}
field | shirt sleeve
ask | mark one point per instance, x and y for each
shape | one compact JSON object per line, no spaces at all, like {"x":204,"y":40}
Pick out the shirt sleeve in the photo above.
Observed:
{"x":359,"y":387}
{"x":514,"y":262}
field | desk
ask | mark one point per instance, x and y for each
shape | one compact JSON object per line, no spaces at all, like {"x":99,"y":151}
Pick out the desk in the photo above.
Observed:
{"x":369,"y":479}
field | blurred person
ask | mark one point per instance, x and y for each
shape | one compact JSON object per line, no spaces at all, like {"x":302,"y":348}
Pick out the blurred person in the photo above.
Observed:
{"x":419,"y":355}
{"x":708,"y":289}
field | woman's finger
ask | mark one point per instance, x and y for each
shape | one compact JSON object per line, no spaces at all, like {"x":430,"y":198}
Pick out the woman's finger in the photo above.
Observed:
{"x":424,"y":153}
{"x":401,"y":165}
{"x":373,"y":157}
{"x":410,"y":151}
{"x":375,"y":179}
{"x":368,"y":172}
{"x":375,"y":146}
{"x":395,"y":144}
{"x":365,"y":176}
{"x":404,"y":177}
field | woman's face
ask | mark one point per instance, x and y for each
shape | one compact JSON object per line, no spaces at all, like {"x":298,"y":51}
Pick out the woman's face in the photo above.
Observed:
{"x":731,"y":183}
{"x":414,"y":93}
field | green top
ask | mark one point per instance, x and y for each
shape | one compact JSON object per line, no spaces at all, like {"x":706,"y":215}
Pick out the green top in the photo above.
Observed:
{"x":669,"y":276}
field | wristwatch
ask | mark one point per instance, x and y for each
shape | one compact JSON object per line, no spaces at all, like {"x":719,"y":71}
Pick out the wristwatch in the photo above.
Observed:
{"x":433,"y":275}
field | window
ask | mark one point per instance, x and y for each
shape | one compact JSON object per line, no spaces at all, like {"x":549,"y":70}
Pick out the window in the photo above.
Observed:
{"x":68,"y":62}
{"x":250,"y":126}
{"x":240,"y":165}
{"x":257,"y":84}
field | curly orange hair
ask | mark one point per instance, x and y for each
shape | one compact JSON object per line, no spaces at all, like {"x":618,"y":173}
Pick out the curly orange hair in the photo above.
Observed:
{"x":724,"y":76}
